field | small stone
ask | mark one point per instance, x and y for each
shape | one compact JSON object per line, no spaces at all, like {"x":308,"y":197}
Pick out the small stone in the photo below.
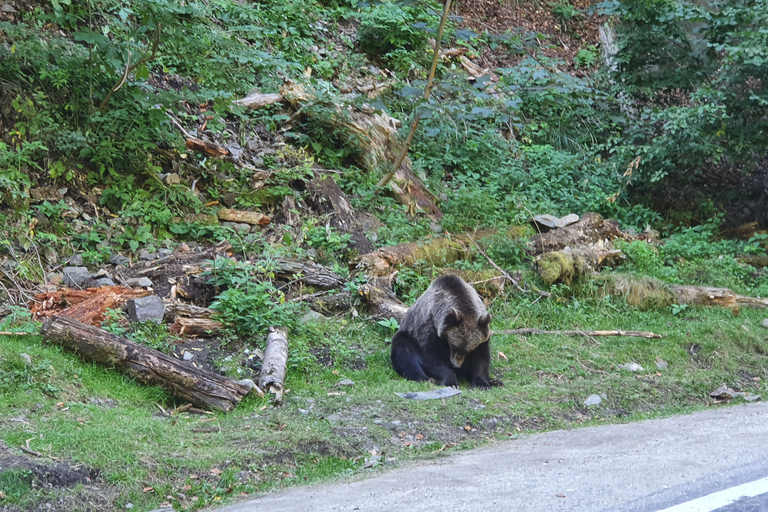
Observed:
{"x":765,"y":323}
{"x":303,"y":411}
{"x":661,"y":364}
{"x":55,"y":278}
{"x":138,"y":282}
{"x":345,"y":382}
{"x":50,"y":255}
{"x":187,"y":355}
{"x":631,"y":367}
{"x":119,"y":259}
{"x":593,"y":400}
{"x":76,"y":260}
{"x":334,"y":418}
{"x":172,"y":179}
{"x":102,"y":281}
{"x":9,"y":264}
{"x":26,"y":358}
{"x":38,"y":406}
{"x":162,"y":253}
{"x":311,"y":316}
{"x":544,"y":223}
{"x":243,"y":476}
{"x":144,"y":309}
{"x":147,"y":256}
{"x":75,"y":276}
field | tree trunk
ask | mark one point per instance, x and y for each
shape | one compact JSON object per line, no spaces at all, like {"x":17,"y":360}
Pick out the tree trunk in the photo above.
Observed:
{"x":272,"y":378}
{"x":148,"y":366}
{"x":708,"y":296}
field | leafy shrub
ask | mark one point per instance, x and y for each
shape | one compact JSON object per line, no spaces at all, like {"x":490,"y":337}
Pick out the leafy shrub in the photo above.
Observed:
{"x":388,"y":27}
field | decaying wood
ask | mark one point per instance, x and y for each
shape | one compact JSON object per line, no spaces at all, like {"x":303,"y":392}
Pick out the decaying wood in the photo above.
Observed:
{"x":441,"y":251}
{"x":326,"y":198}
{"x":256,"y":100}
{"x":570,"y":264}
{"x":144,"y":364}
{"x":273,"y":368}
{"x":308,"y":272}
{"x":87,"y":306}
{"x":375,"y":136}
{"x":174,"y":310}
{"x":205,"y":147}
{"x":587,"y":232}
{"x":709,"y":296}
{"x":378,"y":293}
{"x":195,"y":326}
{"x":331,"y":304}
{"x":184,"y":256}
{"x":632,"y":334}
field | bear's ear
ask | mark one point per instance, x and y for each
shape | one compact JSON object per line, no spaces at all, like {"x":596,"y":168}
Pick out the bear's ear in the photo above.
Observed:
{"x":484,"y":320}
{"x":453,"y":318}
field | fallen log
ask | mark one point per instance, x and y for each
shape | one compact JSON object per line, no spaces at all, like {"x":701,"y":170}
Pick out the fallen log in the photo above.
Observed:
{"x":184,"y":326}
{"x":256,"y":100}
{"x":308,"y":272}
{"x":376,"y":138}
{"x":148,"y":366}
{"x":570,"y":264}
{"x":273,"y":368}
{"x":709,"y":296}
{"x":378,"y":293}
{"x":437,"y":251}
{"x":205,"y":147}
{"x":530,"y":330}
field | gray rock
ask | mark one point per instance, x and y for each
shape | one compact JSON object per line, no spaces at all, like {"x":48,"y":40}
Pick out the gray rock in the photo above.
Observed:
{"x":138,"y":282}
{"x":243,"y":476}
{"x":593,"y":400}
{"x":661,"y":364}
{"x":631,"y":367}
{"x":544,"y":223}
{"x":765,"y":323}
{"x":75,"y":276}
{"x":55,"y":278}
{"x":50,"y":255}
{"x":26,"y":358}
{"x":187,"y":355}
{"x":101,"y":282}
{"x":9,"y":264}
{"x":76,"y":260}
{"x":333,"y":418}
{"x":429,"y":395}
{"x":303,"y":411}
{"x":146,"y":309}
{"x":311,"y":316}
{"x":345,"y":382}
{"x":148,"y":256}
{"x":119,"y":259}
{"x":162,"y":253}
{"x":569,"y":219}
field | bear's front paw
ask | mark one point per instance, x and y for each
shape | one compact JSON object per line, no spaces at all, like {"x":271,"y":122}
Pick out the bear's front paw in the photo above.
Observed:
{"x":481,"y":384}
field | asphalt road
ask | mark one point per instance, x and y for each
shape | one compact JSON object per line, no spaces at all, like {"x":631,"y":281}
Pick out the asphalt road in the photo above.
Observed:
{"x":639,"y":467}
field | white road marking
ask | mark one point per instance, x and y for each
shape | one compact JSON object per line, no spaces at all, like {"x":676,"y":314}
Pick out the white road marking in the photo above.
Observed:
{"x":720,"y":499}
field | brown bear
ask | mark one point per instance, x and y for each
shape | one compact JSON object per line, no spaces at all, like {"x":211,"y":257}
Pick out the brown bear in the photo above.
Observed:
{"x":445,"y":335}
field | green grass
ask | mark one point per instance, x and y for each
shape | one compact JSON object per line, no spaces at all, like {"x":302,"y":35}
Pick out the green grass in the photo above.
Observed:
{"x":323,"y":432}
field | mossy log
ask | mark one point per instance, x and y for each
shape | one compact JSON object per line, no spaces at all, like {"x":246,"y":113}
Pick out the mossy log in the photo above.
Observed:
{"x":146,"y":365}
{"x":647,"y":292}
{"x":378,"y":293}
{"x":438,"y":251}
{"x":568,"y":265}
{"x":709,"y":296}
{"x":375,"y":137}
{"x":308,"y":272}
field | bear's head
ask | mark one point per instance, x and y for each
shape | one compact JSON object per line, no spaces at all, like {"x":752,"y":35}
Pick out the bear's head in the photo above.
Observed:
{"x":464,"y":333}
